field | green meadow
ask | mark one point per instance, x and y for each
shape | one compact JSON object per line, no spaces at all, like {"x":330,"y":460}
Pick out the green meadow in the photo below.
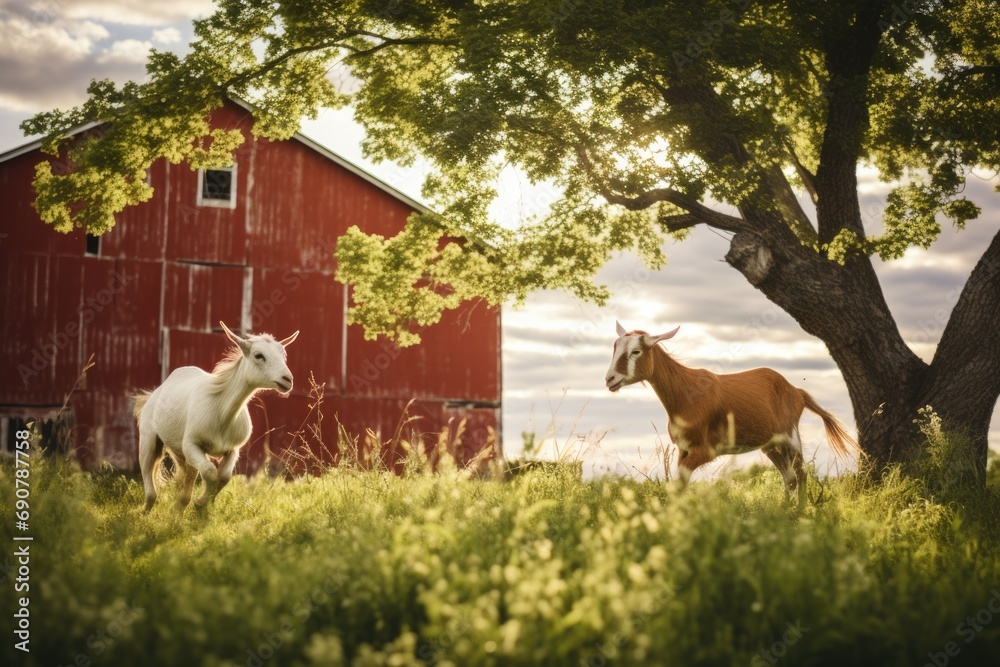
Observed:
{"x":362,"y":568}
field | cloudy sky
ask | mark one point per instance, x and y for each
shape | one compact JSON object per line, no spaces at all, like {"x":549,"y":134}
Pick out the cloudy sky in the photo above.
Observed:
{"x":556,"y":350}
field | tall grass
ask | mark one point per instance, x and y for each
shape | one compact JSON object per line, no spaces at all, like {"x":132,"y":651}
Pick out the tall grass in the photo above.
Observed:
{"x":361,"y":567}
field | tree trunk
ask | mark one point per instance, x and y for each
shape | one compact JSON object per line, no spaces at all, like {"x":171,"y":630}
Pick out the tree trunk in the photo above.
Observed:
{"x":963,"y":381}
{"x":844,"y":305}
{"x":845,"y":308}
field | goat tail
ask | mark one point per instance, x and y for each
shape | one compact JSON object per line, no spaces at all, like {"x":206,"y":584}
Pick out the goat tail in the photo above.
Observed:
{"x":841,"y":443}
{"x":139,"y":402}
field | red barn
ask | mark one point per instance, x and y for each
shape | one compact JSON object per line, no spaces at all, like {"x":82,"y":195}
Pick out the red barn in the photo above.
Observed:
{"x":252,"y":246}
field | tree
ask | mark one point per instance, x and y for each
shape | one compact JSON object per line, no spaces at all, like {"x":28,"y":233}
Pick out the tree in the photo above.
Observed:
{"x":639,"y":112}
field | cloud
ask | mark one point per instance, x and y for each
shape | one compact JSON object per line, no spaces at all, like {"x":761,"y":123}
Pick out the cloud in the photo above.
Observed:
{"x":126,"y":51}
{"x":557,"y":343}
{"x":54,"y":48}
{"x":923,"y":287}
{"x":113,"y":12}
{"x":48,"y":63}
{"x":135,"y":12}
{"x":167,"y":36}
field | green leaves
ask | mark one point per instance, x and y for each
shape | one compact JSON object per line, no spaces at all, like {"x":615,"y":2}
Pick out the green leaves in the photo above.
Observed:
{"x":601,"y":100}
{"x":397,"y":281}
{"x":909,"y":219}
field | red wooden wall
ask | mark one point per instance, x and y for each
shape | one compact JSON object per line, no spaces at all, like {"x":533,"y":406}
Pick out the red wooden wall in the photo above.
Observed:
{"x":151,"y":299}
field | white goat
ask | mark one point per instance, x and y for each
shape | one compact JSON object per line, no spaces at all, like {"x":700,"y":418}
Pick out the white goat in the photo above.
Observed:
{"x":197,"y":415}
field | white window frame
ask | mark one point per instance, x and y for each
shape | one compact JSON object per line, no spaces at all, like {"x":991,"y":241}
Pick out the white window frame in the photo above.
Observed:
{"x":218,"y":203}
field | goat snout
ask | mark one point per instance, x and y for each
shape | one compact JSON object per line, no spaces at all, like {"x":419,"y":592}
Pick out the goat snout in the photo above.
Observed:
{"x":284,"y":384}
{"x":613,"y":382}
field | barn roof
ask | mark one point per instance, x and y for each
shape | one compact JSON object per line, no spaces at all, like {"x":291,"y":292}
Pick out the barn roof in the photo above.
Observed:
{"x":299,"y":137}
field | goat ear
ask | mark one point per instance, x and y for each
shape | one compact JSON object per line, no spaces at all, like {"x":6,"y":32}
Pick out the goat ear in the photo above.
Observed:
{"x":619,"y":329}
{"x":242,"y":343}
{"x":653,"y":340}
{"x":291,"y":339}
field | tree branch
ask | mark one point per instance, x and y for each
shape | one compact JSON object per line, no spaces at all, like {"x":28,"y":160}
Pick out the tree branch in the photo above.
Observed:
{"x":698,"y":213}
{"x":390,"y":41}
{"x":773,"y":200}
{"x":849,"y":58}
{"x":252,"y":74}
{"x":680,"y":221}
{"x":339,"y":43}
{"x":967,"y":360}
{"x":807,"y":177}
{"x":978,"y":69}
{"x":787,"y":204}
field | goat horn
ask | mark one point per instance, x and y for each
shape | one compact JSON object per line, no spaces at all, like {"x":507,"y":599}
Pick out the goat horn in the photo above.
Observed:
{"x":233,"y":337}
{"x":619,"y":329}
{"x":666,"y":336}
{"x":236,"y":340}
{"x":291,"y":339}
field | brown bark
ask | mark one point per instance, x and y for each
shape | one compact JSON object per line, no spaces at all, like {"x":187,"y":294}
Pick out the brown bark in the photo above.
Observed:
{"x":844,"y":307}
{"x":887,"y":382}
{"x":963,"y":381}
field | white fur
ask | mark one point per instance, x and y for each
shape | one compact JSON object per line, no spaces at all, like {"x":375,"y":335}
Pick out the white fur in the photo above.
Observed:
{"x":195,"y":414}
{"x":632,"y":345}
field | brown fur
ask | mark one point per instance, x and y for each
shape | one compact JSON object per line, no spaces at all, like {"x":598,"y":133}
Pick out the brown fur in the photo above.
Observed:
{"x":842,"y":443}
{"x":734,"y":413}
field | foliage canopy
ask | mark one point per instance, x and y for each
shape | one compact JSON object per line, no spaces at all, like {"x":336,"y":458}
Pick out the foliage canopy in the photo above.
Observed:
{"x":637,"y":111}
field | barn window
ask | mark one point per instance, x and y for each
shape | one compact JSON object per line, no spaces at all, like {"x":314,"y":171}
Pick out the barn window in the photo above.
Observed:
{"x":52,"y":430}
{"x":217,"y":187}
{"x":93,"y":244}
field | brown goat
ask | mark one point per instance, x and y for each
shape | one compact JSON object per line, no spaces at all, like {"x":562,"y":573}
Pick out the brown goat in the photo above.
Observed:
{"x":709,"y":415}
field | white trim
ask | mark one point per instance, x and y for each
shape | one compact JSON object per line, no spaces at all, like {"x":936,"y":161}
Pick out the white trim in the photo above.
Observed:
{"x":37,"y":143}
{"x":364,"y":175}
{"x":246,"y":308}
{"x":230,"y":203}
{"x":349,"y":166}
{"x":298,"y":136}
{"x":343,"y":341}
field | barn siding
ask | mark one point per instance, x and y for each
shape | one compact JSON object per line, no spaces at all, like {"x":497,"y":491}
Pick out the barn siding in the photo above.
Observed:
{"x":151,"y":301}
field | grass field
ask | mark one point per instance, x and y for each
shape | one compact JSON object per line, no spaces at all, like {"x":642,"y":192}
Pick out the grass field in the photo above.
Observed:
{"x":366,"y":568}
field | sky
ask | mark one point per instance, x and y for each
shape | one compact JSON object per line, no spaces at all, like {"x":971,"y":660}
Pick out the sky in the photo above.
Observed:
{"x":556,"y":350}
